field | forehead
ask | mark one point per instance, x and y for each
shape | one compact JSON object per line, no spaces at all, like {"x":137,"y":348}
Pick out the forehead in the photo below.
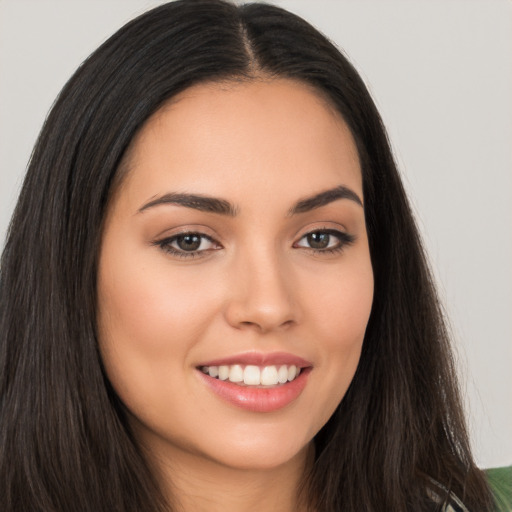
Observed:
{"x":216,"y":137}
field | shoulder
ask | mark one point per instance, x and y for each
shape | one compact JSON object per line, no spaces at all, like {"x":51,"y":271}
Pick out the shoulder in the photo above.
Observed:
{"x":500,"y":482}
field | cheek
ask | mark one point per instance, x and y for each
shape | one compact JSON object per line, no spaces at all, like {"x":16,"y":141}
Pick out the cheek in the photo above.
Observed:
{"x":149,"y":320}
{"x":342,"y":308}
{"x":148,"y":308}
{"x":340,"y":316}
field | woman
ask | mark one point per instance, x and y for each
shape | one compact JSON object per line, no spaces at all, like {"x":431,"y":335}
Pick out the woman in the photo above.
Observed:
{"x":213,"y":292}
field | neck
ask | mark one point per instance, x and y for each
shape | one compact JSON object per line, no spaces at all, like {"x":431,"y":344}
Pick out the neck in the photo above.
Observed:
{"x":199,"y":485}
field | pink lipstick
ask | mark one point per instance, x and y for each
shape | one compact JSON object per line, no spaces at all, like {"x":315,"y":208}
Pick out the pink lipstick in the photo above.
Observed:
{"x":257,"y":382}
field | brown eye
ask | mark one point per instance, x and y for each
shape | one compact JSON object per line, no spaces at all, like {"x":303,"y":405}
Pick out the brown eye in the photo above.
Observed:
{"x":326,"y":241}
{"x":318,"y":240}
{"x":189,"y":242}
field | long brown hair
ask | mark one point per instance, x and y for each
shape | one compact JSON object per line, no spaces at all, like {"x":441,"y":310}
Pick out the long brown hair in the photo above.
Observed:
{"x":397,"y":437}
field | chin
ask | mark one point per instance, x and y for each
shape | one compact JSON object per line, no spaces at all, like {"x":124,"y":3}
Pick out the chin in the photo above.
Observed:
{"x":260,"y":452}
{"x":253,"y":458}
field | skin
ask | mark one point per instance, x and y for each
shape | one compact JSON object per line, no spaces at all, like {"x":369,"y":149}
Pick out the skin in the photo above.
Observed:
{"x":257,"y":286}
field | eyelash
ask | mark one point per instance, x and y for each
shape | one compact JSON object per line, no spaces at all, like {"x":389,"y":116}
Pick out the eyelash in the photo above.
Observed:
{"x":344,"y":240}
{"x":166,"y":245}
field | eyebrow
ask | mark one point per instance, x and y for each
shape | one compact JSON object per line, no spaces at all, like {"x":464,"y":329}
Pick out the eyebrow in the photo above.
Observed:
{"x":195,"y":201}
{"x":223,"y":207}
{"x":323,"y":198}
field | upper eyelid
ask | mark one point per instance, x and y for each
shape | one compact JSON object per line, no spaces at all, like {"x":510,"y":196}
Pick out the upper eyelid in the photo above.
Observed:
{"x":334,"y":225}
{"x":333,"y":231}
{"x":187,"y":230}
{"x":173,"y":237}
{"x":344,"y":236}
{"x":324,"y":230}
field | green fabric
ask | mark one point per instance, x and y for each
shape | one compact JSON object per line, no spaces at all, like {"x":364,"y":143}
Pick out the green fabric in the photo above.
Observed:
{"x":500,"y":481}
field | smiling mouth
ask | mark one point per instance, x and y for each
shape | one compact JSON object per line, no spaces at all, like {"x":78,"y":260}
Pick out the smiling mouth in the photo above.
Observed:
{"x":252,"y":375}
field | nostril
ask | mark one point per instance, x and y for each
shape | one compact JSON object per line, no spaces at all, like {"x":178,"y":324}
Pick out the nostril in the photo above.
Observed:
{"x":265,"y":326}
{"x":264,"y":302}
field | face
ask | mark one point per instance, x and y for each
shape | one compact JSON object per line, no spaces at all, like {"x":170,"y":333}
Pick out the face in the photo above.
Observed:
{"x":235,"y":281}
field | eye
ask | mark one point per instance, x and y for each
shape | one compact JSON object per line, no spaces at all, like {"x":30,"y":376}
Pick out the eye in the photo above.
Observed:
{"x":188,"y":244}
{"x":325,"y":240}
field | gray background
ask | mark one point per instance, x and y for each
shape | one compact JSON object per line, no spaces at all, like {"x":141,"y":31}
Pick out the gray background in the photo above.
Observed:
{"x":441,"y":74}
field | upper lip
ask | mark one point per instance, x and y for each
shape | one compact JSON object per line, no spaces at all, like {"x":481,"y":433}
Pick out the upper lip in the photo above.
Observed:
{"x":260,"y":359}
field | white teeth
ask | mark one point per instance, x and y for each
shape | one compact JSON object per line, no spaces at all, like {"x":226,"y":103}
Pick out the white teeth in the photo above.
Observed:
{"x":282,"y":374}
{"x":236,"y":374}
{"x":269,"y":376}
{"x":252,"y":375}
{"x":223,"y":372}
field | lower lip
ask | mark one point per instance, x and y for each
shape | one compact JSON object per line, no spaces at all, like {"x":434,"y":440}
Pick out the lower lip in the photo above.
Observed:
{"x":257,"y":399}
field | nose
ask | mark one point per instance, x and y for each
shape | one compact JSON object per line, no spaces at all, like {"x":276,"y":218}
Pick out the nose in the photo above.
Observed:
{"x":261,"y":295}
